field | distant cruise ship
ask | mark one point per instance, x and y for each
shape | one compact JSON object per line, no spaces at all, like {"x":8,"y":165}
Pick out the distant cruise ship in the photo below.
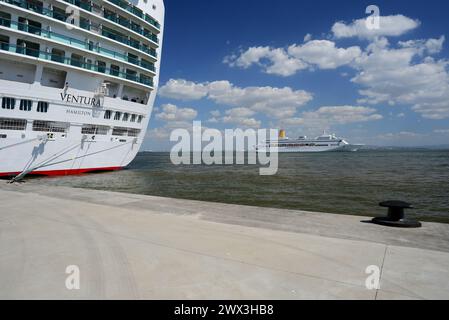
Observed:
{"x":76,"y":90}
{"x":325,"y":142}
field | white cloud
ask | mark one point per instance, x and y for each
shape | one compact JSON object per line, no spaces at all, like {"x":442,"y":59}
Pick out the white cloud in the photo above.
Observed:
{"x":307,"y":37}
{"x":183,"y":90}
{"x":239,"y":112}
{"x":441,"y":131}
{"x":241,"y":117}
{"x":281,"y":63}
{"x":158,"y":133}
{"x":171,"y":112}
{"x":435,"y":45}
{"x":390,"y":26}
{"x":325,"y":117}
{"x":173,"y":118}
{"x":215,"y":113}
{"x":274,"y":102}
{"x":396,"y":76}
{"x":400,"y":135}
{"x":430,"y":46}
{"x":322,"y":54}
{"x":273,"y":61}
{"x":248,"y":58}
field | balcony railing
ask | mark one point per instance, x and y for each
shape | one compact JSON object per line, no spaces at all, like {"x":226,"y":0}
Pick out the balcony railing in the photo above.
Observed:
{"x":76,"y":62}
{"x":127,"y":24}
{"x":136,"y":11}
{"x":123,"y":22}
{"x":82,"y":4}
{"x":73,"y":42}
{"x":61,"y":17}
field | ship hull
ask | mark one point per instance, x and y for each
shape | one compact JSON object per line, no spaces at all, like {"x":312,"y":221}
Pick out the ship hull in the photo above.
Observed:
{"x":64,"y":156}
{"x":58,"y":173}
{"x":302,"y":149}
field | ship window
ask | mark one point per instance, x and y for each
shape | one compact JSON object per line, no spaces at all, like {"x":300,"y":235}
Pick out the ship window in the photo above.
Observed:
{"x":136,"y":27}
{"x":101,"y":66}
{"x":29,"y":26}
{"x":146,"y":80}
{"x":59,"y":14}
{"x":115,"y":70}
{"x":93,"y":129}
{"x":12,"y":124}
{"x":131,"y":75}
{"x":8,"y":103}
{"x":76,"y":60}
{"x":5,"y":19}
{"x":147,"y":65}
{"x":139,"y":120}
{"x":50,"y":126}
{"x":133,"y":59}
{"x":133,"y":118}
{"x":4,"y":44}
{"x":28,"y":48}
{"x":107,"y":114}
{"x":25,"y":105}
{"x":134,"y":43}
{"x":117,"y":116}
{"x":42,"y":106}
{"x":133,"y":132}
{"x":57,"y":55}
{"x":123,"y":21}
{"x":114,"y":35}
{"x":125,"y":116}
{"x":109,"y":15}
{"x":120,"y":131}
{"x":85,"y":24}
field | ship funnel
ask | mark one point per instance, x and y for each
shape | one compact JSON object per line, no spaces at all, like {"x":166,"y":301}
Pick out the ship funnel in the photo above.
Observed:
{"x":282,"y":134}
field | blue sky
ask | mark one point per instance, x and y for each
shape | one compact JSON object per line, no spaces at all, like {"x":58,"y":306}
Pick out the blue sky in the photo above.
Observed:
{"x":306,"y":66}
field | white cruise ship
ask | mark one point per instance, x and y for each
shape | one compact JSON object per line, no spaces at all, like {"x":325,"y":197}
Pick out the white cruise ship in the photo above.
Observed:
{"x":323,"y":143}
{"x":78,"y":80}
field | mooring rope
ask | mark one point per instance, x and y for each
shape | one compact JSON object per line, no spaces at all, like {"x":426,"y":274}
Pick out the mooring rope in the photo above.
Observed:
{"x":56,"y":155}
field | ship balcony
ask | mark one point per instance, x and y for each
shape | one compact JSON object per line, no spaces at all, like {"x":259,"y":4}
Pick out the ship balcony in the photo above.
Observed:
{"x":131,"y":25}
{"x":136,"y":12}
{"x":116,"y":20}
{"x":38,"y":32}
{"x":97,"y":30}
{"x":77,"y":62}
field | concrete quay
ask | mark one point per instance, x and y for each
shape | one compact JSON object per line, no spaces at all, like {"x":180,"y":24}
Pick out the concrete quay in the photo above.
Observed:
{"x":130,"y":246}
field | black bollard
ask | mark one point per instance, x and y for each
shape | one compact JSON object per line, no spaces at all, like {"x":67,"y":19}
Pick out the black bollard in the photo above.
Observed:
{"x":396,"y":215}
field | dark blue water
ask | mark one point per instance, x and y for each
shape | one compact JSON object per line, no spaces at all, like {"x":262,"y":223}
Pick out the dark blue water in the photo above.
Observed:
{"x":341,"y":182}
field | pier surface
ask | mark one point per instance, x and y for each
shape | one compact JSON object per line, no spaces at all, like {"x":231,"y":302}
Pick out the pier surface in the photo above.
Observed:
{"x":141,"y":247}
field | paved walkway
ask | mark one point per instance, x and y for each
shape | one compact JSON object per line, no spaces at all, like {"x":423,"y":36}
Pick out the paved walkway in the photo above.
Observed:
{"x":134,"y":246}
